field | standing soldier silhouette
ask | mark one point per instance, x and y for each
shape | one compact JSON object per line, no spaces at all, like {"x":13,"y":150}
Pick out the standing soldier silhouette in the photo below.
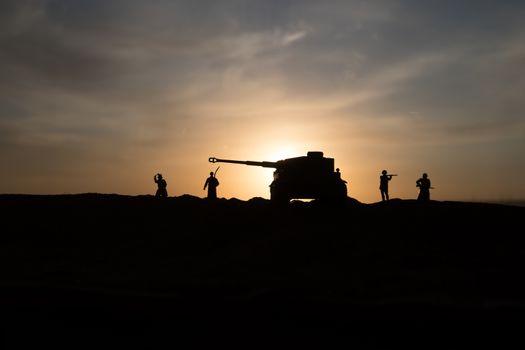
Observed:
{"x":161,"y":184}
{"x":211,"y":183}
{"x":424,"y":188}
{"x":338,"y":174}
{"x":383,"y":184}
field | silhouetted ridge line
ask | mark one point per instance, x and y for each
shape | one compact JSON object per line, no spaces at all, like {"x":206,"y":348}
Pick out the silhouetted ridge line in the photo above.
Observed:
{"x":349,"y":201}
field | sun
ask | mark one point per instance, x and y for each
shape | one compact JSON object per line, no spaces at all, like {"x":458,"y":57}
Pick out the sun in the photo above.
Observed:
{"x":280,"y":152}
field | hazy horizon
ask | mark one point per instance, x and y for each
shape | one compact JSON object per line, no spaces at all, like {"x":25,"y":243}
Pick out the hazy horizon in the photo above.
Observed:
{"x":99,"y":96}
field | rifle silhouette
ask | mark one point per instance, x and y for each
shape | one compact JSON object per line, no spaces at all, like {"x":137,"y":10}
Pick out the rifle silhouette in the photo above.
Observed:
{"x":430,"y":188}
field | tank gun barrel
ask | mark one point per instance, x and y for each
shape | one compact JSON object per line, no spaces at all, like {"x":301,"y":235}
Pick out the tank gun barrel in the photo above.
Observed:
{"x":245,"y":162}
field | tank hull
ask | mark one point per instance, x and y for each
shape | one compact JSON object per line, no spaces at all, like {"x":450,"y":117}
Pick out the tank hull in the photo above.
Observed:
{"x":284,"y":191}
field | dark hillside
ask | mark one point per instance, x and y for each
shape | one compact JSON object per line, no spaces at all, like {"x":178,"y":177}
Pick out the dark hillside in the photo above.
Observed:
{"x":140,"y":268}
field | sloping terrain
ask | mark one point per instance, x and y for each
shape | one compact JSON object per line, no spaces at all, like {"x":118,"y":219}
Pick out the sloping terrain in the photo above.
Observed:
{"x":140,"y":268}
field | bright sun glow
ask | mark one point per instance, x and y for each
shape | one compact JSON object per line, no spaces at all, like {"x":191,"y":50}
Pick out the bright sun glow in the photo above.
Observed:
{"x":245,"y":182}
{"x":280,"y":152}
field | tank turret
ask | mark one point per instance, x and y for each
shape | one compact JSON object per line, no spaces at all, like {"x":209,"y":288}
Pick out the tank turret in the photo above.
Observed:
{"x":307,"y":177}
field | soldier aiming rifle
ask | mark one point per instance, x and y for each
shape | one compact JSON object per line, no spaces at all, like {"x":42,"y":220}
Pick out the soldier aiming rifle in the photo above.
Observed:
{"x":383,"y":184}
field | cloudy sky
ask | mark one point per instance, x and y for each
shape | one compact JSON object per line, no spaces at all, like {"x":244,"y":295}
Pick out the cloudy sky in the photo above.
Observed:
{"x":98,"y":96}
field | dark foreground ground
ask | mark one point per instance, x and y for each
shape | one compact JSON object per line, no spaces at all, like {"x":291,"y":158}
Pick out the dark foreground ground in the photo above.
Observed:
{"x":99,"y":270}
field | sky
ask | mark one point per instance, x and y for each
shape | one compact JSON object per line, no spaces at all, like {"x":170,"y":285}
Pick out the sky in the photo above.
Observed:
{"x":99,"y":96}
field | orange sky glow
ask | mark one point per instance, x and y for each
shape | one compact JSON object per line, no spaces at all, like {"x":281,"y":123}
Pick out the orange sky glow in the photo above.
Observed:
{"x":100,"y":96}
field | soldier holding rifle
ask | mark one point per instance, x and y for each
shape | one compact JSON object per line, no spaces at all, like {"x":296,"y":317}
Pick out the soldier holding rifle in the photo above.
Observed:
{"x":424,"y":188}
{"x":383,"y":184}
{"x":212,"y":183}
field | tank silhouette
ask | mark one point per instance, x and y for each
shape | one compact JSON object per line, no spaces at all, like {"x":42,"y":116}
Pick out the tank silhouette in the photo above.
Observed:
{"x":307,"y":177}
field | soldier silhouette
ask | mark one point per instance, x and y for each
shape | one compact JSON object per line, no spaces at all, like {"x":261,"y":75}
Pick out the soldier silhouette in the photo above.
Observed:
{"x":338,"y":174}
{"x":383,"y":184}
{"x":424,"y":188}
{"x":211,"y":183}
{"x":161,"y":186}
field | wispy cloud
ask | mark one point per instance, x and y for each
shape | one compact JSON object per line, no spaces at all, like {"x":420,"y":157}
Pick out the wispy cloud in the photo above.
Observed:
{"x":290,"y":38}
